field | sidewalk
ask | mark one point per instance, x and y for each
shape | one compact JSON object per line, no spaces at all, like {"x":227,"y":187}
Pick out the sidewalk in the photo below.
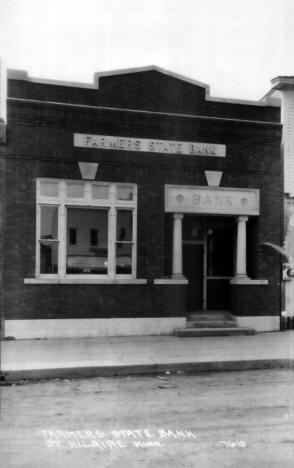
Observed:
{"x":68,"y":358}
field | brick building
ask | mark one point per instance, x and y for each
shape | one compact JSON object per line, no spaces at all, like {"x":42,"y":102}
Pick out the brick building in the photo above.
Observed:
{"x":134,"y":201}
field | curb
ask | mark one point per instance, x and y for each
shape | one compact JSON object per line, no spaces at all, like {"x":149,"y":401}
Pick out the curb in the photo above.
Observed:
{"x":139,"y":369}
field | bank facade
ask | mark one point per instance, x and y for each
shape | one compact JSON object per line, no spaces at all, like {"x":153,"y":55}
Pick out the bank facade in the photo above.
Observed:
{"x":132,"y":202}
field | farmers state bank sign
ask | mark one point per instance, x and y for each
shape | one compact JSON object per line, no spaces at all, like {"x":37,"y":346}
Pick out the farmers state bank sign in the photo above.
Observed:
{"x":148,"y":145}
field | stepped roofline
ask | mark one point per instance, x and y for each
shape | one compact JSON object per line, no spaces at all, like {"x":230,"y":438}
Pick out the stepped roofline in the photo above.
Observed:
{"x":23,"y":75}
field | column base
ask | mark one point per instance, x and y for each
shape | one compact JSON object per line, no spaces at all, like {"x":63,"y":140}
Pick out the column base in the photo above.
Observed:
{"x":239,"y":279}
{"x":178,"y":276}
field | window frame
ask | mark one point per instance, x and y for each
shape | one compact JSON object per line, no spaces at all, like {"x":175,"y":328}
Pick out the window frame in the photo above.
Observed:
{"x":63,"y":202}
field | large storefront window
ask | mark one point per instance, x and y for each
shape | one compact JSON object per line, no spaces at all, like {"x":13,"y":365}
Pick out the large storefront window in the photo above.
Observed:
{"x":87,"y":251}
{"x":49,"y":239}
{"x":86,"y":229}
{"x":124,"y":241}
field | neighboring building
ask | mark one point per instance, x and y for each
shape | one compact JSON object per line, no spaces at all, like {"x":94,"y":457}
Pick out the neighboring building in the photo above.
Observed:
{"x":282,"y":95}
{"x":131,"y":202}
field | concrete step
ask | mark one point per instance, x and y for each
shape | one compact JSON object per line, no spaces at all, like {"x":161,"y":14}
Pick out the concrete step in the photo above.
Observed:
{"x":211,"y":324}
{"x":222,"y":315}
{"x":190,"y":332}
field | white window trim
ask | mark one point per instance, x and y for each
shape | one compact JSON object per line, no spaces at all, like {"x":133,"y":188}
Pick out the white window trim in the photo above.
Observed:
{"x":83,"y":280}
{"x":63,"y":202}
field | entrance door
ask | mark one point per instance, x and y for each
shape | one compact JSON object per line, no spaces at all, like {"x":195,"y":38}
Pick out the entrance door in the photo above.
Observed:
{"x":193,"y":271}
{"x":220,"y":247}
{"x":208,"y":261}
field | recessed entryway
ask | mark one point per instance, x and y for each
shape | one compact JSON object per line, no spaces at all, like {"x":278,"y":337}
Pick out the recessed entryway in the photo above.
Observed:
{"x":208,"y":261}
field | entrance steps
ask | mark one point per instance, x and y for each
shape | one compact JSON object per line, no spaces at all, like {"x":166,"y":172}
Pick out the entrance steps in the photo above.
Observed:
{"x":212,"y":323}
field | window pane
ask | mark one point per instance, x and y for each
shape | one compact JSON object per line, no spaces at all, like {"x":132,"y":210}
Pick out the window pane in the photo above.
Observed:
{"x":72,"y":236}
{"x":49,"y":189}
{"x":124,"y":258}
{"x":49,"y":222}
{"x":84,"y":258}
{"x":94,"y":237}
{"x":220,"y":246}
{"x":48,"y":257}
{"x":75,"y":190}
{"x":124,"y":229}
{"x":193,"y":228}
{"x":125,"y":193}
{"x":100,"y":192}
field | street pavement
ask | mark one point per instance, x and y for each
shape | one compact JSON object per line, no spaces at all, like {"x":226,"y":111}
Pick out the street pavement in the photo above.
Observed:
{"x":205,"y":420}
{"x":30,"y":359}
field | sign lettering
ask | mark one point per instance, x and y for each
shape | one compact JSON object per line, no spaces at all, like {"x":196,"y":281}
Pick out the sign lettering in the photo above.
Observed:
{"x":148,"y":145}
{"x":217,"y":200}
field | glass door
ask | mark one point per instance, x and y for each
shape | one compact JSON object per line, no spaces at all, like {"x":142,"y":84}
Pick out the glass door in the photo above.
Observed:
{"x":193,"y":271}
{"x":220,"y":247}
{"x":208,"y":261}
{"x":193,"y":261}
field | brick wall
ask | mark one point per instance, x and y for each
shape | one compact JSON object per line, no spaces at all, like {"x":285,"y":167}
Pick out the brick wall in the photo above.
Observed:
{"x":148,"y":90}
{"x":40,"y":144}
{"x":264,"y":300}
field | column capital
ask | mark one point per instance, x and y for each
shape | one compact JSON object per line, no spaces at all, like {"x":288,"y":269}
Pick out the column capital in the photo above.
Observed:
{"x":241,"y":219}
{"x":178,"y":215}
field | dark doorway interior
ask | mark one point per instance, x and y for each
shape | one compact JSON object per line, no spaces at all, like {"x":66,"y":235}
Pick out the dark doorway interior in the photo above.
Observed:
{"x":208,"y":261}
{"x":193,"y":271}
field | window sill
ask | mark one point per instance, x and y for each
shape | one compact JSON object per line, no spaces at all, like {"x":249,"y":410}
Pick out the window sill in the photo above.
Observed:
{"x":170,"y":281}
{"x":248,"y":281}
{"x":83,"y":281}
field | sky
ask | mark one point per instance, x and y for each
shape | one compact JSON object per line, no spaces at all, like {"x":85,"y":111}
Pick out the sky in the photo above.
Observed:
{"x":235,"y":46}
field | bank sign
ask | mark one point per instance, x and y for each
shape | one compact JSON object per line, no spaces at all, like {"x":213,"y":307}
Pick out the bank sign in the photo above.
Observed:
{"x":148,"y":145}
{"x":207,"y":200}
